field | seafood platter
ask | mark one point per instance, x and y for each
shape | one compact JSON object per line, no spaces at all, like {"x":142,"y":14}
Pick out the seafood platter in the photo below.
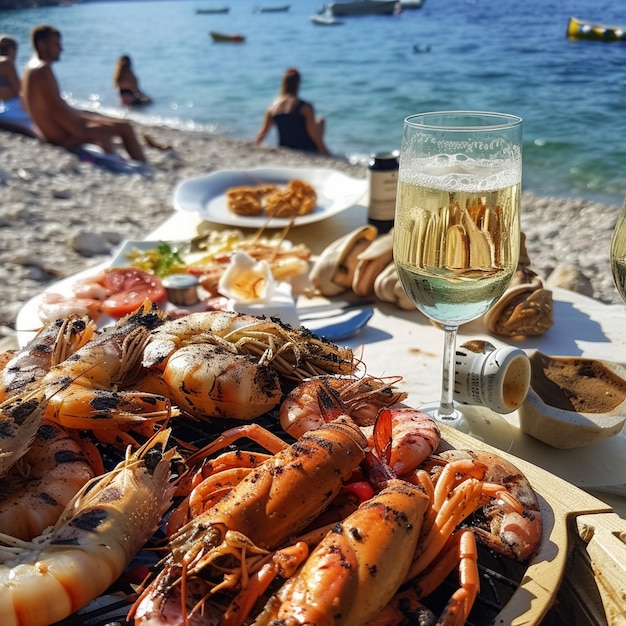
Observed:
{"x":200,"y":465}
{"x":337,"y":482}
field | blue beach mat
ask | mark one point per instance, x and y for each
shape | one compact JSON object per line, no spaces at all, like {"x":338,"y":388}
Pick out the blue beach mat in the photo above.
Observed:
{"x":15,"y":119}
{"x":90,"y":153}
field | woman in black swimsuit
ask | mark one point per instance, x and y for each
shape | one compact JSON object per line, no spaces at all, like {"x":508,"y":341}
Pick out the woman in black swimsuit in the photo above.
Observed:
{"x":125,"y":80}
{"x":294,"y":118}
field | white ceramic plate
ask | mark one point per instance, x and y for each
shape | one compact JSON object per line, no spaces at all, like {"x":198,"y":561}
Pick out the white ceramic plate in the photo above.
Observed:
{"x":206,"y":195}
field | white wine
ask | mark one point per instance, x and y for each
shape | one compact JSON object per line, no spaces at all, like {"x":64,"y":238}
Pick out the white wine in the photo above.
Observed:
{"x":457,"y":232}
{"x":618,"y":269}
{"x":456,"y":250}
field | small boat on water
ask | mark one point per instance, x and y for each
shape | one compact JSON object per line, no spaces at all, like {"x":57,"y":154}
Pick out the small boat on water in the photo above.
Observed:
{"x":224,"y":38}
{"x":579,"y":29}
{"x":411,"y":5}
{"x":277,"y":9}
{"x":326,"y":19}
{"x":211,"y":10}
{"x":363,"y":7}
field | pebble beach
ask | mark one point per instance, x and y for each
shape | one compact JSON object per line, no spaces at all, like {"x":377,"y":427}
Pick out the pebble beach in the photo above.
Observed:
{"x":59,"y":215}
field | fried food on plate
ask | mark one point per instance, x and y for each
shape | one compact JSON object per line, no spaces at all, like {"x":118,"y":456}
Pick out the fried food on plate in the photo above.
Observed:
{"x":296,"y":198}
{"x":299,"y":198}
{"x":247,"y":200}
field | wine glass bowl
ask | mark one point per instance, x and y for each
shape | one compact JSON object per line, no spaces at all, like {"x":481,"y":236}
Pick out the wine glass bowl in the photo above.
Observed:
{"x":617,"y":253}
{"x":457,"y":225}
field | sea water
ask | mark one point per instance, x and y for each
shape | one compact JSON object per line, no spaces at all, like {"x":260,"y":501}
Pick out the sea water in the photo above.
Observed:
{"x":365,"y":76}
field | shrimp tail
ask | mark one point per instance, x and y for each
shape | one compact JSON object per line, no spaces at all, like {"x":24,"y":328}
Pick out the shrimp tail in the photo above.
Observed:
{"x":20,"y":417}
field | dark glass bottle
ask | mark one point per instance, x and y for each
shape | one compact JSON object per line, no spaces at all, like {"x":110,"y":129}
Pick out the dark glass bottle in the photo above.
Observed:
{"x":383,"y":183}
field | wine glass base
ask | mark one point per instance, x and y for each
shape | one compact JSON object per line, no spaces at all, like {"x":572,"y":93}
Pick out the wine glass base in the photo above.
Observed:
{"x":483,"y":424}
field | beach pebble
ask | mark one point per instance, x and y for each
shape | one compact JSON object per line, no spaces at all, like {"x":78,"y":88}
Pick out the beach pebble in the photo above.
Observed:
{"x":90,"y":244}
{"x":569,"y":277}
{"x":62,"y":194}
{"x":59,"y":215}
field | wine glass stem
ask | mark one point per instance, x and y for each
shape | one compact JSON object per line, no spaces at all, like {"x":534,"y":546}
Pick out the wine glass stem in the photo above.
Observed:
{"x":446,"y":406}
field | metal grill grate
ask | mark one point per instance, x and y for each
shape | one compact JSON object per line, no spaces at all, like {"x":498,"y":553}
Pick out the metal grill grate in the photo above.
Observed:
{"x":497,"y":587}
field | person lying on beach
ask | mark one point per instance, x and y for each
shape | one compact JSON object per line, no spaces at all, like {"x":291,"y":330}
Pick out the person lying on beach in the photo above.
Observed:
{"x":295,"y":119}
{"x":12,"y":115}
{"x":56,"y":120}
{"x":126,"y":82}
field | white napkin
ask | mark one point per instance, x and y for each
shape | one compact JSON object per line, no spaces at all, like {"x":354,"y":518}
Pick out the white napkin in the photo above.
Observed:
{"x":251,"y":288}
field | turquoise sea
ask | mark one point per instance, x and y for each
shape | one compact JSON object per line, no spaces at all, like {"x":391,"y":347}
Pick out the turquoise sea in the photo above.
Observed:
{"x":365,"y":76}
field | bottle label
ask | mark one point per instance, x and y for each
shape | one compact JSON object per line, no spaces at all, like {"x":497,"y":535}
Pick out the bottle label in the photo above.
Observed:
{"x":383,"y":189}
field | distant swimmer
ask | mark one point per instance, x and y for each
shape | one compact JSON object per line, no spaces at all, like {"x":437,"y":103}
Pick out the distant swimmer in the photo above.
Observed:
{"x":126,"y":82}
{"x":417,"y":48}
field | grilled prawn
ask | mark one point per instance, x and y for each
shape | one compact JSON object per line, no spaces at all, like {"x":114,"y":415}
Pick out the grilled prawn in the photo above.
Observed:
{"x":275,"y":500}
{"x":101,"y":529}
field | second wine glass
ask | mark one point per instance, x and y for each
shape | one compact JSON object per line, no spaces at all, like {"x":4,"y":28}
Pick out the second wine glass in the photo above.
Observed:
{"x":618,"y":253}
{"x":457,"y":226}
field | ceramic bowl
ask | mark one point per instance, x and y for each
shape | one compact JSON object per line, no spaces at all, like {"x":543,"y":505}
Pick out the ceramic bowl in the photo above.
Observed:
{"x":573,"y":401}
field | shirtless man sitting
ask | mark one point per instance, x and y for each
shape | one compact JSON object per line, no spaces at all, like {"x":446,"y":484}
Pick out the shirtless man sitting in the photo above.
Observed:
{"x":58,"y":122}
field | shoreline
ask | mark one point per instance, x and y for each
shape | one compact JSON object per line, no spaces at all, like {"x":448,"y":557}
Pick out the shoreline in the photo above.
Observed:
{"x":59,"y":215}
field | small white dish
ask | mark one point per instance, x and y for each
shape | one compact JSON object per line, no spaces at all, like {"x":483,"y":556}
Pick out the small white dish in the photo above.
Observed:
{"x":280,"y":305}
{"x":120,"y":256}
{"x":573,"y":401}
{"x":206,"y":195}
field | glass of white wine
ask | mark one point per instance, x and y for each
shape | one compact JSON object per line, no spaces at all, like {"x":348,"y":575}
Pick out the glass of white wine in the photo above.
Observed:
{"x":618,"y":253}
{"x":457,"y":231}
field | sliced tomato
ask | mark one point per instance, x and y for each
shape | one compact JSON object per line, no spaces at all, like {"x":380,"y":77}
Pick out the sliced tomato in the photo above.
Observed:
{"x":128,"y":287}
